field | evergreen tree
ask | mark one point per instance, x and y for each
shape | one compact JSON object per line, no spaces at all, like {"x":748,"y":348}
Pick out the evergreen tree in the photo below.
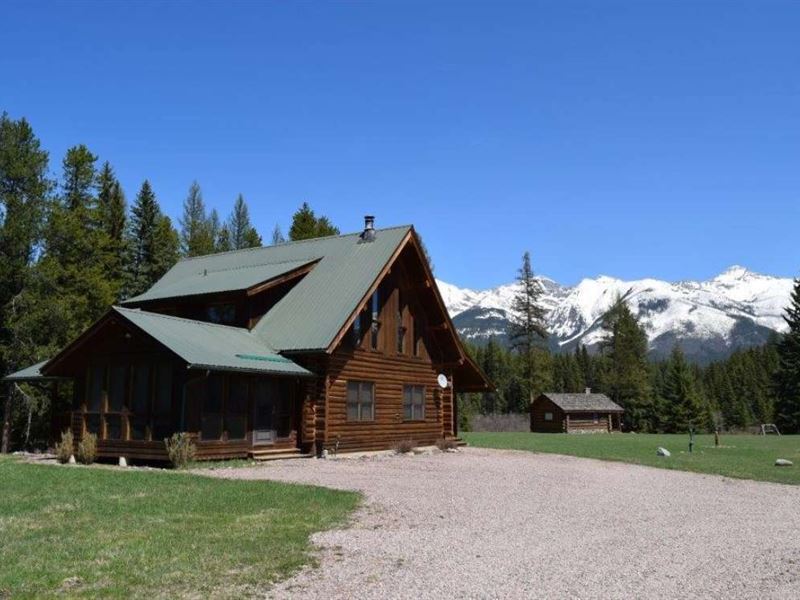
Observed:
{"x":79,"y":178}
{"x":277,"y":236}
{"x":153,"y":241}
{"x":625,"y":373}
{"x":224,"y":240}
{"x":685,"y":409}
{"x":787,"y":378}
{"x":306,"y":225}
{"x":24,"y":188}
{"x":196,"y":236}
{"x":526,"y":329}
{"x":241,"y":231}
{"x":112,"y":222}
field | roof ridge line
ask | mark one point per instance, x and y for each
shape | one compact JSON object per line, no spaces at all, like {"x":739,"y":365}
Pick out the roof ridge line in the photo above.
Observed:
{"x":265,"y":264}
{"x":290,"y":243}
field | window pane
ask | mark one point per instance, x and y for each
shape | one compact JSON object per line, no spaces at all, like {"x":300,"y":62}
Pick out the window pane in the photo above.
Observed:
{"x":352,"y":411}
{"x":140,"y":403}
{"x":367,"y":403}
{"x":97,"y":385}
{"x":116,"y":388}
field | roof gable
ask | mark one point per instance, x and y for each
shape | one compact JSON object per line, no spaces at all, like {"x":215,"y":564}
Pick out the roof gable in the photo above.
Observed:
{"x":315,"y":310}
{"x":201,"y":345}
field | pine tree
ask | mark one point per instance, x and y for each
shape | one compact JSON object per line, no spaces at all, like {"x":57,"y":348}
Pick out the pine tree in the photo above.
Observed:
{"x":153,"y":242}
{"x":242,"y":233}
{"x":166,"y":247}
{"x":787,"y":377}
{"x":224,"y":240}
{"x":24,"y":188}
{"x":277,"y":236}
{"x":79,"y":178}
{"x":626,"y":376}
{"x":305,"y":225}
{"x":196,"y":236}
{"x":526,"y":330}
{"x":682,"y":401}
{"x":112,"y":222}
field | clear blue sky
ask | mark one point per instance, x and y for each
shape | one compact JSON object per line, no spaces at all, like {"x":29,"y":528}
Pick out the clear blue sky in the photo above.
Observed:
{"x":632,"y":139}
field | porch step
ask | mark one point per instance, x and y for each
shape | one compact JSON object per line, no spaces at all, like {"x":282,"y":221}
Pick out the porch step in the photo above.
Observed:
{"x":459,"y":442}
{"x":277,"y":454}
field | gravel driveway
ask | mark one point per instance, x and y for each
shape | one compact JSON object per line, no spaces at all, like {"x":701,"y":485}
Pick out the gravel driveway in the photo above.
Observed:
{"x":507,"y":524}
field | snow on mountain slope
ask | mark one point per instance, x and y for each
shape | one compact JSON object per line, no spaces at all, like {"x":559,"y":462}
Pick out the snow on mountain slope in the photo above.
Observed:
{"x":709,"y":319}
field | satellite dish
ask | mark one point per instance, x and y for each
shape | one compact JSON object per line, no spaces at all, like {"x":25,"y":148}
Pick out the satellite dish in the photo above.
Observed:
{"x":442,"y":380}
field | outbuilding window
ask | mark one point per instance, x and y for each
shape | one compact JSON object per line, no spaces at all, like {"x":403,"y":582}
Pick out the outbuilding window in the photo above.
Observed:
{"x":548,"y":416}
{"x":360,"y":401}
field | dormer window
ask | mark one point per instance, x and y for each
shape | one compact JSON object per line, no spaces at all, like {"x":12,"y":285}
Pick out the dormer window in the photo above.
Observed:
{"x":224,"y":314}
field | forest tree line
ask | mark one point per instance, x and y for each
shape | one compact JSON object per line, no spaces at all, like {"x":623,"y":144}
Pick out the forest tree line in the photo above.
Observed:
{"x":72,"y":245}
{"x":752,"y":386}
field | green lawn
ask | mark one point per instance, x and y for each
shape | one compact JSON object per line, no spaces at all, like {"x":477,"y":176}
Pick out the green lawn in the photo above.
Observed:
{"x":741,"y":456}
{"x":91,"y":532}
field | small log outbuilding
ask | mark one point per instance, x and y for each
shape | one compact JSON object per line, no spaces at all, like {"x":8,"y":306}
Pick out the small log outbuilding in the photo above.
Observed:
{"x":575,"y":413}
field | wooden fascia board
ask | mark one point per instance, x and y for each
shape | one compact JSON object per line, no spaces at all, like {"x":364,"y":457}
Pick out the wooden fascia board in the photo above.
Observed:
{"x":384,"y":271}
{"x":89,"y":333}
{"x":77,"y":342}
{"x":270,"y":283}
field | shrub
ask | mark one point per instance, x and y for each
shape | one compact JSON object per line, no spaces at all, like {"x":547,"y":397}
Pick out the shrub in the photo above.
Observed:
{"x":403,"y":446}
{"x":446,"y":444}
{"x":180,"y":449}
{"x":65,"y":447}
{"x":87,"y":449}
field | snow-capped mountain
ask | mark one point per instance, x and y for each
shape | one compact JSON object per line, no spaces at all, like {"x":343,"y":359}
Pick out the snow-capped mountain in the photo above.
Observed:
{"x":709,"y":319}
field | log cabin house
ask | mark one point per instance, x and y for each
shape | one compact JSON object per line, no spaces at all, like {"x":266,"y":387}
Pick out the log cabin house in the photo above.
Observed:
{"x":575,"y":413}
{"x":338,"y":343}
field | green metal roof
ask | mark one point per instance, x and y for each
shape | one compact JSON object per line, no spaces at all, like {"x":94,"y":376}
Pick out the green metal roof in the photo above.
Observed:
{"x":211,"y":346}
{"x":314,"y":310}
{"x":32,"y":373}
{"x":192,"y":277}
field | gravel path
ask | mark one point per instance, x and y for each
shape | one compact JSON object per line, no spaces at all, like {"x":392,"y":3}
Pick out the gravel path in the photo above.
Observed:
{"x":506,"y":524}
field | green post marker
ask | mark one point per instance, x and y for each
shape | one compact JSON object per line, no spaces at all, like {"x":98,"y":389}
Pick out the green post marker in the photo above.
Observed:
{"x":691,"y":440}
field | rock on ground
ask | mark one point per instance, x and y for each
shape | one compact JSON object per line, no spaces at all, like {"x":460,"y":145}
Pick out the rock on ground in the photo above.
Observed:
{"x":505,"y":524}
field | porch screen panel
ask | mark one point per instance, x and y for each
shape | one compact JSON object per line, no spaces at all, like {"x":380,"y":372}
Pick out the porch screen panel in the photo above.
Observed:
{"x":97,"y":385}
{"x":236,"y":409}
{"x":211,"y":418}
{"x":140,"y":402}
{"x":116,"y":388}
{"x":163,"y":426}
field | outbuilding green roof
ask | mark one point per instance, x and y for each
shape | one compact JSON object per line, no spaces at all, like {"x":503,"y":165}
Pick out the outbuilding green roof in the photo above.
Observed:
{"x":210,"y":346}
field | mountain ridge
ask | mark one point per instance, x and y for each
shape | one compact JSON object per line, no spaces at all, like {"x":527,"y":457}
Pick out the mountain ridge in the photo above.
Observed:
{"x":709,"y":319}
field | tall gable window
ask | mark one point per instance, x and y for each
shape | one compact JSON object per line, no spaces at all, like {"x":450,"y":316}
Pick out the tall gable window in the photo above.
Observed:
{"x":417,"y":336}
{"x":360,"y":401}
{"x":401,"y":326}
{"x":375,"y":325}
